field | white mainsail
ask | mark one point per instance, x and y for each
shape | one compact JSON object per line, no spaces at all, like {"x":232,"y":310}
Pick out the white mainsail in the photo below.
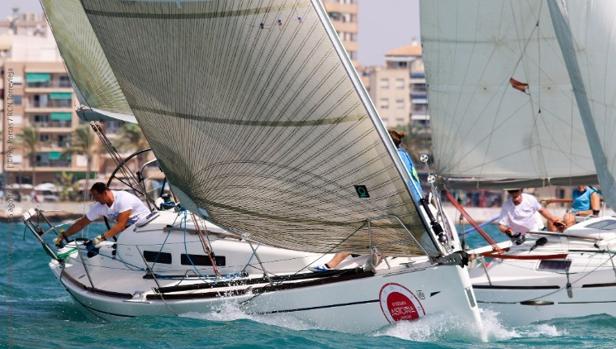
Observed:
{"x":260,"y":122}
{"x":486,"y":131}
{"x":587,"y":37}
{"x":96,"y":86}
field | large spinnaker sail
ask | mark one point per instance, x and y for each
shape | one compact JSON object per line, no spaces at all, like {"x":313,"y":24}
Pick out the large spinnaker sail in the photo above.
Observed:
{"x":92,"y":76}
{"x":255,"y":118}
{"x":488,"y":126}
{"x":586,"y":31}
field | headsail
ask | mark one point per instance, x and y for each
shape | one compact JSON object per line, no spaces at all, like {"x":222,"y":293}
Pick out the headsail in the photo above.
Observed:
{"x":585,"y":31}
{"x":96,"y":86}
{"x":502,"y":106}
{"x":259,"y":121}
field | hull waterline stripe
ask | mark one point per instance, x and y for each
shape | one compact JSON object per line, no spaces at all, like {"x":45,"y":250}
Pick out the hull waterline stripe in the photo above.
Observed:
{"x":488,"y":302}
{"x":497,"y":287}
{"x":317,"y":307}
{"x":264,"y":289}
{"x":588,"y":302}
{"x":611,"y":284}
{"x":94,"y":309}
{"x":70,"y":278}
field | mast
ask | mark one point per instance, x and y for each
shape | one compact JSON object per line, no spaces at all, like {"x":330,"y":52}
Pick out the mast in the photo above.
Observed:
{"x":372,"y":113}
{"x":565,"y":40}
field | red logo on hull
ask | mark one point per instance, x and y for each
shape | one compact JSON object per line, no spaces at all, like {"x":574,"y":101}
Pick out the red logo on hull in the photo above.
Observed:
{"x":399,"y":303}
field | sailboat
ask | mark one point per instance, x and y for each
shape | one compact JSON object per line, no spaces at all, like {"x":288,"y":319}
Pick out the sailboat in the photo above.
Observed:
{"x":521,"y":96}
{"x":278,"y":158}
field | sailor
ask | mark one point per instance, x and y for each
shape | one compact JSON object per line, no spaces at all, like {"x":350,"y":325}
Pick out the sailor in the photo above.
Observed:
{"x":585,"y":201}
{"x":122,"y":207}
{"x":518,"y":215}
{"x":415,"y":185}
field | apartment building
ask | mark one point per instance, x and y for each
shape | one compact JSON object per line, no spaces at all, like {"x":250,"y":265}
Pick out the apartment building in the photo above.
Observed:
{"x":398,"y":89}
{"x":36,"y":92}
{"x":343,"y":14}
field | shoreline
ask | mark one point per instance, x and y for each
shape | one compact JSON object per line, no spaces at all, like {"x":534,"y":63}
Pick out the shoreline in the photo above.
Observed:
{"x":74,"y":210}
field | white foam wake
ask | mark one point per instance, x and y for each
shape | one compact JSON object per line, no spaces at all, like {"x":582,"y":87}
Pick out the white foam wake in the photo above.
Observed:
{"x":437,"y":327}
{"x":231,"y":311}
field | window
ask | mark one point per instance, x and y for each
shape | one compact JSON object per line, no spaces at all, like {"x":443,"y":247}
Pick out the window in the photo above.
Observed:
{"x":400,"y":85}
{"x":399,"y":103}
{"x":197,"y":259}
{"x":608,"y":224}
{"x":17,"y":100}
{"x":384,"y":83}
{"x":384,"y":102}
{"x":554,"y":265}
{"x":64,"y":81}
{"x":157,"y":257}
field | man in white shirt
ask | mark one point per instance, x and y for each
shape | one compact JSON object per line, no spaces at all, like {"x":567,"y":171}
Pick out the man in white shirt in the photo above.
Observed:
{"x":518,"y":215}
{"x":122,"y":207}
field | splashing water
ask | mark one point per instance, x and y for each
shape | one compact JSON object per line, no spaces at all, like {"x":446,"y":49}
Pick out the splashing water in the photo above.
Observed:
{"x":231,"y":311}
{"x":439,"y":327}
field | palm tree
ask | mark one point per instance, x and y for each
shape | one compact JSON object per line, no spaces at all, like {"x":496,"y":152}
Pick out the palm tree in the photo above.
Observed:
{"x":66,"y":185}
{"x":131,"y":138}
{"x":82,"y":143}
{"x":29,"y":138}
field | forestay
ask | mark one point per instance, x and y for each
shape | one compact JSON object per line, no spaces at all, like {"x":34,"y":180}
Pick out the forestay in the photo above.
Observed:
{"x":502,"y":107}
{"x":586,"y":33}
{"x":259,"y":121}
{"x":95,"y":83}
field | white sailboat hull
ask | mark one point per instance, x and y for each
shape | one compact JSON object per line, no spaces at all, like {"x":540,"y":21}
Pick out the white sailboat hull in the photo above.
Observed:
{"x":525,"y":291}
{"x":507,"y":303}
{"x":358,"y":305}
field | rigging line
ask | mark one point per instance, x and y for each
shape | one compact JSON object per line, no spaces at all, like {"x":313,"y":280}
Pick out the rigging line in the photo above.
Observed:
{"x":184,"y":225}
{"x":162,"y":297}
{"x":494,"y":129}
{"x":539,"y":59}
{"x":333,"y":248}
{"x":461,"y":122}
{"x":528,"y":40}
{"x":207,"y":248}
{"x":541,"y":156}
{"x":523,"y":53}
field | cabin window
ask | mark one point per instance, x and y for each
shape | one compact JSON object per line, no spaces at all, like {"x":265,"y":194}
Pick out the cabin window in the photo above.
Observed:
{"x":198,"y":259}
{"x":608,"y":224}
{"x":157,"y":257}
{"x":554,"y":265}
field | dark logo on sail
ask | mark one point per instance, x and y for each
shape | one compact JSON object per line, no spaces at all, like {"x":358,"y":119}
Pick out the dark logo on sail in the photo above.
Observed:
{"x":362,"y":191}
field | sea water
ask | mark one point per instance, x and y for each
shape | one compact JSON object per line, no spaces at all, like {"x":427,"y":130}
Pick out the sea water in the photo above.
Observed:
{"x":36,"y":312}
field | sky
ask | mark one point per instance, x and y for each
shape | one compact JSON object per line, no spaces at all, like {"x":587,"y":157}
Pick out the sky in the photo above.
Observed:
{"x":383,"y":24}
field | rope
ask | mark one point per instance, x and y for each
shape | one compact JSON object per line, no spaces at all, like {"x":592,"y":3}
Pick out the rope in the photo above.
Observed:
{"x":207,"y":249}
{"x":472,"y":222}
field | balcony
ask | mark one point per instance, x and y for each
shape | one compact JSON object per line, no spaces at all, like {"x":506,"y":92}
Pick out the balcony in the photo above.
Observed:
{"x":41,"y":165}
{"x":55,"y":146}
{"x":39,"y":81}
{"x":54,"y":124}
{"x":52,"y":159}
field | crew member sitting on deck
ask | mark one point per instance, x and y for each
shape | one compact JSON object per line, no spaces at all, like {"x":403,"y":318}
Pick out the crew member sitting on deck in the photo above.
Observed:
{"x":586,"y":201}
{"x":518,"y":215}
{"x":122,"y":207}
